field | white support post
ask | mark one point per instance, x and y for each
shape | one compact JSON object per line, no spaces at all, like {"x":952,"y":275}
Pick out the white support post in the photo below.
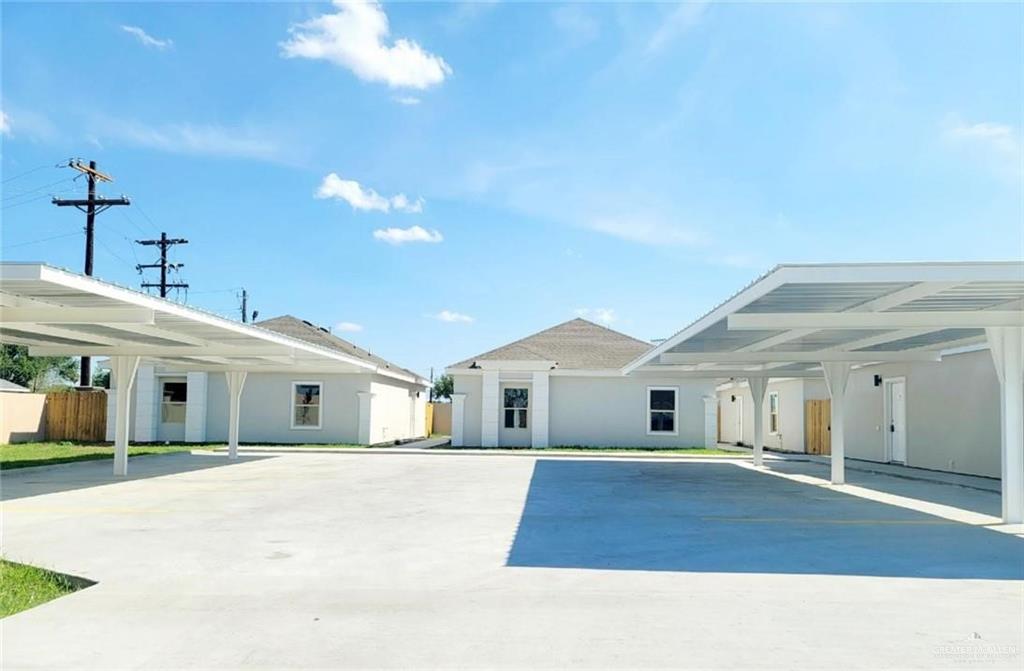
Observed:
{"x":123,"y":369}
{"x":758,"y":385}
{"x":1007,"y":347}
{"x":195,"y":408}
{"x":710,"y":421}
{"x":236,"y":381}
{"x":539,"y":411}
{"x":837,"y":374}
{"x":458,"y":419}
{"x":489,"y":408}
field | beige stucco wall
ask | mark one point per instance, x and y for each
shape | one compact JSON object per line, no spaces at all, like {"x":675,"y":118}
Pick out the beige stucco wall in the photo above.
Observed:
{"x":22,"y":417}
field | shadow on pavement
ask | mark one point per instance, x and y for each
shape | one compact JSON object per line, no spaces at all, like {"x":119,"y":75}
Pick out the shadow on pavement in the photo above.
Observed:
{"x":20,"y":483}
{"x":722,"y":518}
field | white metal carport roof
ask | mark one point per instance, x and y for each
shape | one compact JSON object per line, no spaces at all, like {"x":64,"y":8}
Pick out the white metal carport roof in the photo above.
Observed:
{"x":814,"y":320}
{"x":59,"y":313}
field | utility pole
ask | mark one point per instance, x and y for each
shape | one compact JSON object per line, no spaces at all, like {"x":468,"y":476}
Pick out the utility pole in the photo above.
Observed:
{"x":245,"y":297}
{"x":91,"y":206}
{"x":164,"y":243}
{"x":431,"y":384}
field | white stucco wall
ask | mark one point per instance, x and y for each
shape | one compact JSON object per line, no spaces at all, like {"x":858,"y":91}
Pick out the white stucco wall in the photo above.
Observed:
{"x":266,"y":408}
{"x":792,"y":394}
{"x":392,"y":409}
{"x":469,"y":385}
{"x":952,"y":414}
{"x":612,"y":412}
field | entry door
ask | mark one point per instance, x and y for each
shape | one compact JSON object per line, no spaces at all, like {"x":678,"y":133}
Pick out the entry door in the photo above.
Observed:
{"x":896,"y":411}
{"x":173,"y":401}
{"x":739,"y":419}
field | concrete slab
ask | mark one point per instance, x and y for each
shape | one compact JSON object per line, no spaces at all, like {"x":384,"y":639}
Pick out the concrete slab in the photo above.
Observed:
{"x":444,"y":561}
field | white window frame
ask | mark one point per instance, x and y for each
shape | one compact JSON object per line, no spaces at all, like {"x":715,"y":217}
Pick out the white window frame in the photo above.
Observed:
{"x":675,"y":412}
{"x":320,"y":415}
{"x":505,"y":408}
{"x":777,"y":414}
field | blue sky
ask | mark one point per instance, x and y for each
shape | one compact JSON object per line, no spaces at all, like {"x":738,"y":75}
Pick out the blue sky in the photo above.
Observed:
{"x":446,"y":178}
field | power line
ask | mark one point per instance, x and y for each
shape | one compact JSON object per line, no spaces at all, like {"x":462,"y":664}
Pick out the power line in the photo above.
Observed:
{"x":28,"y":172}
{"x":32,"y":242}
{"x":14,"y":196}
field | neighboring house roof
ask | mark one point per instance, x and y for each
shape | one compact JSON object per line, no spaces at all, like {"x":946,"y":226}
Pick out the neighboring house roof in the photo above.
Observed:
{"x":575,"y":344}
{"x":299,"y":328}
{"x":7,"y":385}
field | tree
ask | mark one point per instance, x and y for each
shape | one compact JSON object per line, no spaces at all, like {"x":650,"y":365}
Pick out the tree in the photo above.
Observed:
{"x":444,"y":386}
{"x":101,"y":379}
{"x":35,"y":372}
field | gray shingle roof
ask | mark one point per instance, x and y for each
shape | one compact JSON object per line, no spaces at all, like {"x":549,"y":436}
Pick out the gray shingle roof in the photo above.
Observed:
{"x":575,"y":344}
{"x":303,"y":330}
{"x":7,"y":385}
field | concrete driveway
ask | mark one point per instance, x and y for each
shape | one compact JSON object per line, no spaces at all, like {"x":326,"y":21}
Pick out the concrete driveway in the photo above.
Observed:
{"x":449,"y":561}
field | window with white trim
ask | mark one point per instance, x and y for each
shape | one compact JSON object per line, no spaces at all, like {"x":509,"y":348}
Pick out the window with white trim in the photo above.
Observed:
{"x":662,"y":408}
{"x":307,"y":400}
{"x":773,"y":412}
{"x":517,"y":403}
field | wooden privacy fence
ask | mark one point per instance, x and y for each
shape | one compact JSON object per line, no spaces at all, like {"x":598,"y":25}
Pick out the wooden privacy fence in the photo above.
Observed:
{"x":817,"y":432}
{"x":429,"y":428}
{"x":76,"y":415}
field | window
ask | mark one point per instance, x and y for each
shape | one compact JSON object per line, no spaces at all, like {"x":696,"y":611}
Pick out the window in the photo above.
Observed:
{"x":306,"y":402}
{"x":172,"y":402}
{"x":517,"y":402}
{"x":661,"y":409}
{"x":773,"y":412}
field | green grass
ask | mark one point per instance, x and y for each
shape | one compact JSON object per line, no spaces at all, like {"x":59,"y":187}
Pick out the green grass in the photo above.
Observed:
{"x":42,"y":454}
{"x":696,"y":451}
{"x":23,"y":587}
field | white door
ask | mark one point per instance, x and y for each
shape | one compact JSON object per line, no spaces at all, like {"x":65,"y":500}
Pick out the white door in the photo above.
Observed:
{"x":739,"y":419}
{"x":896,"y":402}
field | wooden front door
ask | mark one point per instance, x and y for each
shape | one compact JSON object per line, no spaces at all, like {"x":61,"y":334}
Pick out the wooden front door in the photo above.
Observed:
{"x":817,"y":432}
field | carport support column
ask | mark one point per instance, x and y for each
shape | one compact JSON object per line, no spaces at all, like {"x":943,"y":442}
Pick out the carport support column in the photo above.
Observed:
{"x":836,"y":376}
{"x":539,"y":412}
{"x":123,"y":369}
{"x":1007,"y":347}
{"x":710,"y":421}
{"x":364,"y":435}
{"x":758,"y":385}
{"x":236,"y":380}
{"x":489,"y":410}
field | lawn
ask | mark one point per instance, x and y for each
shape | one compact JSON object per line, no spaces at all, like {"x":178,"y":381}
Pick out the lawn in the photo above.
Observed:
{"x":43,"y":454}
{"x":23,"y":587}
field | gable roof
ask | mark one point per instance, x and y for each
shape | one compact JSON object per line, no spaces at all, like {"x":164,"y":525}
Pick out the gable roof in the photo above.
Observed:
{"x":575,"y":344}
{"x":303,"y":330}
{"x":7,"y":385}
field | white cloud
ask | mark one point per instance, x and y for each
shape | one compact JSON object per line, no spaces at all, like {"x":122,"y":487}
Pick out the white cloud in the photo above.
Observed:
{"x":599,"y":315}
{"x":146,"y":39}
{"x":189,"y":138}
{"x":348,"y":327}
{"x":679,"y":21}
{"x":996,"y":144}
{"x":399,"y":236}
{"x":365,"y":198}
{"x":452,"y":317}
{"x":646,"y":231}
{"x":5,"y":123}
{"x":407,"y":100}
{"x":996,"y":136}
{"x":354,"y":38}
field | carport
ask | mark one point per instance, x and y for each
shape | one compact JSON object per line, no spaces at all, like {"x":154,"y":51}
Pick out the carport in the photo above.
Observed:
{"x":824,"y":320}
{"x":59,"y":313}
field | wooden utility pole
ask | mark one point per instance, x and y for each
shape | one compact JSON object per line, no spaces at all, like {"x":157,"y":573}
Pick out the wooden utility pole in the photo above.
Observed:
{"x":245,"y":299}
{"x":91,"y":206}
{"x":163,"y":243}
